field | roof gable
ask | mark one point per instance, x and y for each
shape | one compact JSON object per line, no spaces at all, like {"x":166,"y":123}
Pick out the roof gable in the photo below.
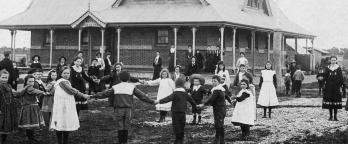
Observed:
{"x":88,"y":19}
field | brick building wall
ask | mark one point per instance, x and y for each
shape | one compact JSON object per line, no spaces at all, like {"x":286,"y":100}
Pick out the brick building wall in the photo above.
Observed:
{"x":139,"y":44}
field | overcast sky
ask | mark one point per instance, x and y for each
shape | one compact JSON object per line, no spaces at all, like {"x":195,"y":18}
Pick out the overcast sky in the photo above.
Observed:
{"x":328,"y":19}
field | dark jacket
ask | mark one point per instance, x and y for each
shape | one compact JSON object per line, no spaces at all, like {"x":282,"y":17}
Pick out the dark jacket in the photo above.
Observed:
{"x":36,"y":66}
{"x":179,"y":100}
{"x":246,"y":74}
{"x":198,"y":94}
{"x":7,"y":64}
{"x":218,"y":97}
{"x":107,"y":69}
{"x":191,"y":69}
{"x":123,"y":95}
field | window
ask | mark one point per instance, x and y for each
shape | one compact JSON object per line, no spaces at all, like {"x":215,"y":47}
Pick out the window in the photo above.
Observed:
{"x":162,"y":37}
{"x":255,"y":4}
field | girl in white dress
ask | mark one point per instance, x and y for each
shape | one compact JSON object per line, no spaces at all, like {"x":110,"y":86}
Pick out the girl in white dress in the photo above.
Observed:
{"x":268,"y":83}
{"x":244,"y":114}
{"x":223,"y":72}
{"x":166,"y":87}
{"x":64,"y":115}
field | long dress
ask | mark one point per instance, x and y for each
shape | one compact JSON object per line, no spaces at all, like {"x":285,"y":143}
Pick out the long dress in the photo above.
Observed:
{"x":8,"y":117}
{"x":333,"y":79}
{"x":64,"y":113}
{"x":77,"y":79}
{"x":30,"y":114}
{"x":166,"y":87}
{"x":245,"y":111}
{"x":268,"y":95}
{"x":227,"y":75}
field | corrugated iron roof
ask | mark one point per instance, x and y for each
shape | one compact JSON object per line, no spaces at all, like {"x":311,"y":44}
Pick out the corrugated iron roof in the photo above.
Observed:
{"x":65,"y":12}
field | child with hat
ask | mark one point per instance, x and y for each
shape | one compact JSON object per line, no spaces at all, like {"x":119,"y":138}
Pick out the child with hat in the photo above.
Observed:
{"x":197,"y":92}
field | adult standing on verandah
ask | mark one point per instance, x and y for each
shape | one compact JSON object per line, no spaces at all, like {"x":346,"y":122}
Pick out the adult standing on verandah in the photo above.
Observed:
{"x":242,"y":60}
{"x":6,"y":63}
{"x":157,"y":66}
{"x":333,"y":80}
{"x":171,"y":59}
{"x":108,"y":64}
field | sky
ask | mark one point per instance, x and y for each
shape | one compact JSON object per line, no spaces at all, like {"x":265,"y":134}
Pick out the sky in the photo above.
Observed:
{"x":327,"y":19}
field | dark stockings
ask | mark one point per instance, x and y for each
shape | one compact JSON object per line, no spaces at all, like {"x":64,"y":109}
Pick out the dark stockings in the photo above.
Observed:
{"x":265,"y":112}
{"x":162,"y":116}
{"x":334,"y":116}
{"x":245,"y":130}
{"x":62,"y":137}
{"x":3,"y":138}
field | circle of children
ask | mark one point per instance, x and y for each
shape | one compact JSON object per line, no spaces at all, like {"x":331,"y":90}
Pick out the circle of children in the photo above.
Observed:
{"x":62,"y":97}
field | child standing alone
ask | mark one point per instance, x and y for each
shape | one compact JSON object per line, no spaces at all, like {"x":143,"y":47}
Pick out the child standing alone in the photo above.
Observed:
{"x":179,"y":99}
{"x":268,"y":96}
{"x":320,"y":78}
{"x":298,"y":77}
{"x":287,"y":80}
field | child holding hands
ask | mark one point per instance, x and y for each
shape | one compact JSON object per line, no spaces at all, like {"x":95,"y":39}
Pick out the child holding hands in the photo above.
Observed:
{"x":197,"y":92}
{"x":179,"y":99}
{"x":244,"y":113}
{"x":122,"y":94}
{"x":217,"y":100}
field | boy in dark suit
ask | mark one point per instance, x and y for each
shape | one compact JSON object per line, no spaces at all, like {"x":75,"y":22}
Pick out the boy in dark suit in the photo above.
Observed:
{"x":179,"y":99}
{"x":217,"y":100}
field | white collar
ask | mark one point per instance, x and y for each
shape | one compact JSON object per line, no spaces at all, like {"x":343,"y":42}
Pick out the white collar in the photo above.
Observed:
{"x":196,"y":87}
{"x":180,"y":89}
{"x":336,"y":66}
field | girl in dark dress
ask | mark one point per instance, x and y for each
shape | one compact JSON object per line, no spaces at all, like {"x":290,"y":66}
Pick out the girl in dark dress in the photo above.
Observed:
{"x":8,"y":109}
{"x":36,"y":62}
{"x":61,"y":63}
{"x":77,"y":79}
{"x":197,"y":92}
{"x":333,"y":80}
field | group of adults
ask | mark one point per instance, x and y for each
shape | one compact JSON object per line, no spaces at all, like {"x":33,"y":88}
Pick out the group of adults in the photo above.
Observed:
{"x":195,"y":62}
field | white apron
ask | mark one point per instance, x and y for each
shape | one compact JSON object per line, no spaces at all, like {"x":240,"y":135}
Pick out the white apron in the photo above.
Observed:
{"x":64,"y":114}
{"x":245,"y":111}
{"x":268,"y":95}
{"x":166,"y":88}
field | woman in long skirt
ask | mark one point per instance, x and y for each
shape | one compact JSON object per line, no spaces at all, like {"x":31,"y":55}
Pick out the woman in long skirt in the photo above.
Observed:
{"x":333,"y":80}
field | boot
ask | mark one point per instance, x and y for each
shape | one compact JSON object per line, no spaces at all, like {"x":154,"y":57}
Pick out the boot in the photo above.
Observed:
{"x":222,"y":135}
{"x":179,"y":139}
{"x":199,"y":119}
{"x":194,"y":120}
{"x":3,"y":138}
{"x":217,"y":136}
{"x":120,"y":136}
{"x":269,"y":112}
{"x":125,"y":135}
{"x":264,"y":113}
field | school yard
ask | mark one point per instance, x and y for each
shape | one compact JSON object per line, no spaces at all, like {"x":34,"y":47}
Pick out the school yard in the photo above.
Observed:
{"x":296,"y":120}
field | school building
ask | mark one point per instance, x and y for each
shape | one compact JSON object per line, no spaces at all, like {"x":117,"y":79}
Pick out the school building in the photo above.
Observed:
{"x":133,"y":30}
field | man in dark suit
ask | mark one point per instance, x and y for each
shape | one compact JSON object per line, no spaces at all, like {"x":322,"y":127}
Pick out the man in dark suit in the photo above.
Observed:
{"x":157,"y":65}
{"x":7,"y":64}
{"x":192,"y":67}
